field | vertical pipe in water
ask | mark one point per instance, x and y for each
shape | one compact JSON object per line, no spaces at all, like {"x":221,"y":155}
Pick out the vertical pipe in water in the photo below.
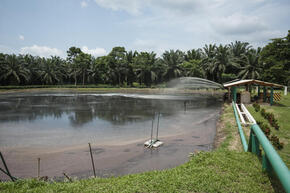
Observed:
{"x":157,"y":126}
{"x":152,"y":130}
{"x":38,"y":167}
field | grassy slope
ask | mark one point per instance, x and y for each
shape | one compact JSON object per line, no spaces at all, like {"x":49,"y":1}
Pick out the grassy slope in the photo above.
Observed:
{"x":222,"y":170}
{"x":281,"y":111}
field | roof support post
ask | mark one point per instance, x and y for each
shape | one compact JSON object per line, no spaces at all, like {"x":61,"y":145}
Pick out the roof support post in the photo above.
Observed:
{"x":271,"y":96}
{"x":285,"y":90}
{"x":259,"y":90}
{"x":229,"y":94}
{"x":234,"y":93}
{"x":264,"y":94}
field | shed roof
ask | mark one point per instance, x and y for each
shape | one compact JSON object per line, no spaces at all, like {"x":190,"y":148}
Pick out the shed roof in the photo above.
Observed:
{"x":251,"y":81}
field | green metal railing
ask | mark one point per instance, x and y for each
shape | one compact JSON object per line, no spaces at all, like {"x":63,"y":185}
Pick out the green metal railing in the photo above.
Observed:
{"x":271,"y":161}
{"x":242,"y":136}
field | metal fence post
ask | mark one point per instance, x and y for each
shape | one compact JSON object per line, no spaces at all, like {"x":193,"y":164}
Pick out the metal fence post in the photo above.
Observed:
{"x":271,"y":96}
{"x":266,"y":165}
{"x":254,"y":145}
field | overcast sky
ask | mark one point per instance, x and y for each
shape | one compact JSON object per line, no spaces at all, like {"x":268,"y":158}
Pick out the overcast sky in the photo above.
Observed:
{"x":50,"y":27}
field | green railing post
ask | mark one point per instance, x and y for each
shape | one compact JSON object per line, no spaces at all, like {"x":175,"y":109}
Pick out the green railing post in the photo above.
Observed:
{"x":271,"y":160}
{"x":235,"y":94}
{"x":254,"y":145}
{"x":240,"y":129}
{"x":264,"y":94}
{"x":271,"y":96}
{"x":266,"y":165}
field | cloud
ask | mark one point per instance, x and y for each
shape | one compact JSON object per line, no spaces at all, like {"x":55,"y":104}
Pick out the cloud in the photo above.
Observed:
{"x":95,"y":52}
{"x":155,"y":45}
{"x":238,"y":24}
{"x":131,"y":6}
{"x":42,"y":51}
{"x":84,"y":4}
{"x":6,"y":49}
{"x":180,"y":7}
{"x":21,"y":37}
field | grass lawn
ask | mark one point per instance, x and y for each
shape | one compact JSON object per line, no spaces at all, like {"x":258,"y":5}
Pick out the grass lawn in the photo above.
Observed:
{"x":281,"y":111}
{"x":226,"y":169}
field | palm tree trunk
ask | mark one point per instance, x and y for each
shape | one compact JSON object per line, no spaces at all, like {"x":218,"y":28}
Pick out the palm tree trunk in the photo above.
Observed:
{"x":75,"y":76}
{"x":83,"y":78}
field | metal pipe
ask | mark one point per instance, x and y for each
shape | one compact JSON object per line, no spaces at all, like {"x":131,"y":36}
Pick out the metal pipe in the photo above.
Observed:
{"x":7,"y":173}
{"x":38,"y":167}
{"x":242,"y":136}
{"x":92,"y":159}
{"x":241,"y":116}
{"x":235,"y":94}
{"x":152,"y":130}
{"x":248,"y":114}
{"x":6,"y":168}
{"x":67,"y":177}
{"x":157,"y":126}
{"x":276,"y":162}
{"x":271,"y":96}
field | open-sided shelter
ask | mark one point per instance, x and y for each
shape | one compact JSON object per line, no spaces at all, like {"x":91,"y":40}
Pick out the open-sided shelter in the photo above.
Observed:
{"x":232,"y":88}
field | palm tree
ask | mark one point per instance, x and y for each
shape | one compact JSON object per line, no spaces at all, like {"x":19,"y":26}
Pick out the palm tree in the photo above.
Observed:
{"x":51,"y":70}
{"x":193,"y":54}
{"x":32,"y":64}
{"x":117,"y":64}
{"x":83,"y":60}
{"x":238,"y":48}
{"x":221,"y":61}
{"x":72,"y":53}
{"x":172,"y":59}
{"x":209,"y":53}
{"x":251,"y":67}
{"x":129,"y":73}
{"x":13,"y":70}
{"x":144,"y":67}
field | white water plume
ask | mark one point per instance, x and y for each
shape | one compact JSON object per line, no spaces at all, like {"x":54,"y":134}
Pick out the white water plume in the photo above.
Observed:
{"x":193,"y":83}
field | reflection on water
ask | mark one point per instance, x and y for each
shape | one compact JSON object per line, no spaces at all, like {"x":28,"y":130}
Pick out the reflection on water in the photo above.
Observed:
{"x":73,"y":118}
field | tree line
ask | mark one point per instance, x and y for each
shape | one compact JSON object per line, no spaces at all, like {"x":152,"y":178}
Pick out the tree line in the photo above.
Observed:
{"x":219,"y":63}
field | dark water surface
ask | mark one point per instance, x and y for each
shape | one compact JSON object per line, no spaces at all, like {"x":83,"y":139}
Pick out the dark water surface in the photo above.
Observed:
{"x":52,"y":119}
{"x":56,"y":120}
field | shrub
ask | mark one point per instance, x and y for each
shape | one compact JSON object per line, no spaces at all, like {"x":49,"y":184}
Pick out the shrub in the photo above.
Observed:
{"x":265,"y":128}
{"x":256,"y":107}
{"x":263,"y":112}
{"x":276,"y":142}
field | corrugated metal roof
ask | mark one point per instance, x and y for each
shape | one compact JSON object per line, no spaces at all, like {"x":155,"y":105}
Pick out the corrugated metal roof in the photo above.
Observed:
{"x":251,"y":81}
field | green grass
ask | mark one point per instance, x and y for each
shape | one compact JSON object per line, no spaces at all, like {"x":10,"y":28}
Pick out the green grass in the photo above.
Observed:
{"x":218,"y":171}
{"x":281,"y":111}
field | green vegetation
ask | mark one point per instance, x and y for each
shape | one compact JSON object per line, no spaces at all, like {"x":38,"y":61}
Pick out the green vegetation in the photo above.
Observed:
{"x":281,"y":111}
{"x":120,"y":67}
{"x":226,"y":169}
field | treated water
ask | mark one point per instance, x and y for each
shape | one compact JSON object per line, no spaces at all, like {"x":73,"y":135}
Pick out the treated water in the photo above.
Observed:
{"x":52,"y":119}
{"x":57,"y":127}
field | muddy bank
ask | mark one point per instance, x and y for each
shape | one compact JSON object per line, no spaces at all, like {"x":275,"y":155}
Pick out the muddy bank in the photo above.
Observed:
{"x":110,"y":160}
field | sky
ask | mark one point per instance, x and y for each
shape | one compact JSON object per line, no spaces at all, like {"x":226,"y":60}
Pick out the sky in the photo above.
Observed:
{"x":50,"y":27}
